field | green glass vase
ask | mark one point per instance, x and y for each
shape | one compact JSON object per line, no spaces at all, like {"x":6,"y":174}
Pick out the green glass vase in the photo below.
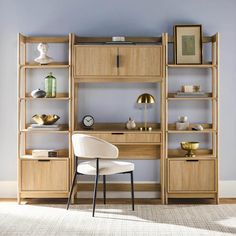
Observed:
{"x":50,"y":84}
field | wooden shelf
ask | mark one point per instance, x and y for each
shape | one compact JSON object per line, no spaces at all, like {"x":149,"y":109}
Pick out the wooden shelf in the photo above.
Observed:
{"x":30,"y":157}
{"x":205,"y":65}
{"x":62,"y":154}
{"x":55,"y":65}
{"x":60,"y":96}
{"x":116,"y":127}
{"x":207,"y":129}
{"x":200,"y":153}
{"x":63,"y":129}
{"x":171,"y":96}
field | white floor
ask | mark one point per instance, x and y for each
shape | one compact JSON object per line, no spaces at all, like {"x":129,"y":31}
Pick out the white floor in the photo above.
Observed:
{"x":118,"y":220}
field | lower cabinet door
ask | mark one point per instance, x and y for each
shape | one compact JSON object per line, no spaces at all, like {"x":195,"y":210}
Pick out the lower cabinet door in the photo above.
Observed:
{"x":44,"y":175}
{"x":191,"y":175}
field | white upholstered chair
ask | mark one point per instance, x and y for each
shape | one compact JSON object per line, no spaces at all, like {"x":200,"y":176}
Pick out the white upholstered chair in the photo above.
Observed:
{"x":101,"y":152}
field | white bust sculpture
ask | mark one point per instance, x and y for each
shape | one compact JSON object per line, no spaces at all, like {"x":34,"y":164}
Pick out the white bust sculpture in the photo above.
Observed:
{"x":43,"y":58}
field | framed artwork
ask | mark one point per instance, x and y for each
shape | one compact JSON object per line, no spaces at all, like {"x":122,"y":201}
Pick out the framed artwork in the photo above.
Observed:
{"x":188,"y":44}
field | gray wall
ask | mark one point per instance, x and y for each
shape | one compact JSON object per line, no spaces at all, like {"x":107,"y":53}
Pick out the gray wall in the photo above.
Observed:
{"x":133,"y":18}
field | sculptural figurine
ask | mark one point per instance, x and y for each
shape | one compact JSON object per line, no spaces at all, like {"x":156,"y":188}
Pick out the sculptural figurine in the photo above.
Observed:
{"x":43,"y":58}
{"x":130,"y":124}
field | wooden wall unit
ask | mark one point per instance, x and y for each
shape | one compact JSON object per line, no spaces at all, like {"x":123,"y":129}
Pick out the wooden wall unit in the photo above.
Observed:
{"x":140,"y":62}
{"x":92,"y":60}
{"x":196,"y":177}
{"x":37,"y":177}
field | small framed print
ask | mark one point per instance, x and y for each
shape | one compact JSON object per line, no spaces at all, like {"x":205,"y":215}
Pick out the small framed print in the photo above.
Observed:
{"x":188,"y":44}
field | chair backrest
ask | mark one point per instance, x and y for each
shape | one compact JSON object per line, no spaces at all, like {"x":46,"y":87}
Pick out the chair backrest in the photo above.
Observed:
{"x":87,"y":146}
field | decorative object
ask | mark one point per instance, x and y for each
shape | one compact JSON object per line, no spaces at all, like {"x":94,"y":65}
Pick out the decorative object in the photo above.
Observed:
{"x":118,"y":39}
{"x":145,"y":99}
{"x":130,"y":124}
{"x":38,"y":93}
{"x":44,"y":153}
{"x":182,"y":123}
{"x":50,"y":84}
{"x":197,"y":127}
{"x":190,"y":147}
{"x":88,"y":122}
{"x":188,"y":44}
{"x":190,"y":88}
{"x":45,"y":119}
{"x":43,"y":57}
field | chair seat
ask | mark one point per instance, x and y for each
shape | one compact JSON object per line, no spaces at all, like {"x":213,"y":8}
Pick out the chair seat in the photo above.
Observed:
{"x":106,"y":167}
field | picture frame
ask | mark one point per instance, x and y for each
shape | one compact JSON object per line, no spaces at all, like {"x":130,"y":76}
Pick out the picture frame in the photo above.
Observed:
{"x":188,"y":44}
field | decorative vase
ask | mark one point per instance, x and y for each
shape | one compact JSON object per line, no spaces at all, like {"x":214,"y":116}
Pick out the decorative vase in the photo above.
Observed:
{"x":130,"y":124}
{"x":50,"y":86}
{"x":38,"y":93}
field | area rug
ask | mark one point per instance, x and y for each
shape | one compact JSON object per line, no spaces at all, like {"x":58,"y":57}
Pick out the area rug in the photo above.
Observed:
{"x":117,"y":220}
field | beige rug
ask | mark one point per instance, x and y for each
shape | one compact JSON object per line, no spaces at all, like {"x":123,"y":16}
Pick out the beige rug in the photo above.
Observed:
{"x":118,"y":220}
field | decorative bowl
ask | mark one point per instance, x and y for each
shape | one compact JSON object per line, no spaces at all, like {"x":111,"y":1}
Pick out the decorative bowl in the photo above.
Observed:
{"x":190,"y":147}
{"x":38,"y":93}
{"x":45,"y":119}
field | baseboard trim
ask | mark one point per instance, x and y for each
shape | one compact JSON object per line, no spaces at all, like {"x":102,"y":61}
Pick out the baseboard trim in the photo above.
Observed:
{"x":8,"y":189}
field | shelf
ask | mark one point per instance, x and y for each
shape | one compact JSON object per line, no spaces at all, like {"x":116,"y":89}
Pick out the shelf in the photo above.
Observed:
{"x":207,"y":129}
{"x":62,"y":155}
{"x":200,"y":153}
{"x":116,"y":127}
{"x":205,"y":65}
{"x":63,"y":130}
{"x":54,"y":65}
{"x":30,"y":157}
{"x":171,"y":96}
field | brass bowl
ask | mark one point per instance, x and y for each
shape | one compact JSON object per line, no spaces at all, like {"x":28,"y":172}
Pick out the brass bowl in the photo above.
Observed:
{"x":45,"y":119}
{"x":190,"y":147}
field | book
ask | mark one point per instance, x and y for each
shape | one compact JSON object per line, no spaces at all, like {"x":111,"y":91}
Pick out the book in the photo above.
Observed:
{"x":44,"y":153}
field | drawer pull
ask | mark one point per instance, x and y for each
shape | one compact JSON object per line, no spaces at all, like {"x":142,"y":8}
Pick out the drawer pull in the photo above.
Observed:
{"x":43,"y":160}
{"x":117,"y":133}
{"x":192,"y":160}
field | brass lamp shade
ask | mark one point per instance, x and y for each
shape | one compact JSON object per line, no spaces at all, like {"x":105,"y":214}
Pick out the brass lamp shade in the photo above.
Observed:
{"x":145,"y":98}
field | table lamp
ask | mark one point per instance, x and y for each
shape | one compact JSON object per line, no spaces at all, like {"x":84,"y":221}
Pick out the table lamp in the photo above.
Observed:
{"x":145,"y":99}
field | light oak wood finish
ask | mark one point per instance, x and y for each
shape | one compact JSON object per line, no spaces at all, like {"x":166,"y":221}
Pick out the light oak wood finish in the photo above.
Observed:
{"x":139,"y":61}
{"x":120,"y":137}
{"x":44,"y":175}
{"x":40,"y":177}
{"x":197,"y":177}
{"x":123,"y":187}
{"x":133,"y":63}
{"x":95,"y":60}
{"x":191,"y":175}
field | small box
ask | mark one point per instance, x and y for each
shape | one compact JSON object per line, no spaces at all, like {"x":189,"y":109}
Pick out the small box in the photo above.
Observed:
{"x":182,"y":125}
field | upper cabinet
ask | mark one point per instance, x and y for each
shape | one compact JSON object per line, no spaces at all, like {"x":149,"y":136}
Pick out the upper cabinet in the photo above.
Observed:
{"x":140,"y":61}
{"x":95,"y":60}
{"x":118,"y":61}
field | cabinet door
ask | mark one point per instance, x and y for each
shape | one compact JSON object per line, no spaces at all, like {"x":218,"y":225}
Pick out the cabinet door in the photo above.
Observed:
{"x":140,"y":60}
{"x":44,"y":175}
{"x":191,"y":175}
{"x":95,"y":60}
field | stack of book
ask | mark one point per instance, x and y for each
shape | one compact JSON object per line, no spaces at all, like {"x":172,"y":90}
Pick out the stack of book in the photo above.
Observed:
{"x":190,"y":94}
{"x":44,"y":127}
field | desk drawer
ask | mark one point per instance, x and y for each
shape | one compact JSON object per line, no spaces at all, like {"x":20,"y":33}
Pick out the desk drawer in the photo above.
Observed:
{"x":117,"y":137}
{"x":44,"y":175}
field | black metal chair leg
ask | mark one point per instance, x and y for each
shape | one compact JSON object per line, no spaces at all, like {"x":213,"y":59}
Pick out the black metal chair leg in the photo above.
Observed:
{"x":132,"y":189}
{"x":95,"y":186}
{"x":104,"y":189}
{"x":71,"y":190}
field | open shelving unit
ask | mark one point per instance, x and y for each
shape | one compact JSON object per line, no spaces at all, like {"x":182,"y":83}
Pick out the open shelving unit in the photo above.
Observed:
{"x":42,"y":177}
{"x":194,"y":177}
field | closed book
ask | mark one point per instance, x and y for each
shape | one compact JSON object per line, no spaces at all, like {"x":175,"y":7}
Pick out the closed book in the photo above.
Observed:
{"x":44,"y":153}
